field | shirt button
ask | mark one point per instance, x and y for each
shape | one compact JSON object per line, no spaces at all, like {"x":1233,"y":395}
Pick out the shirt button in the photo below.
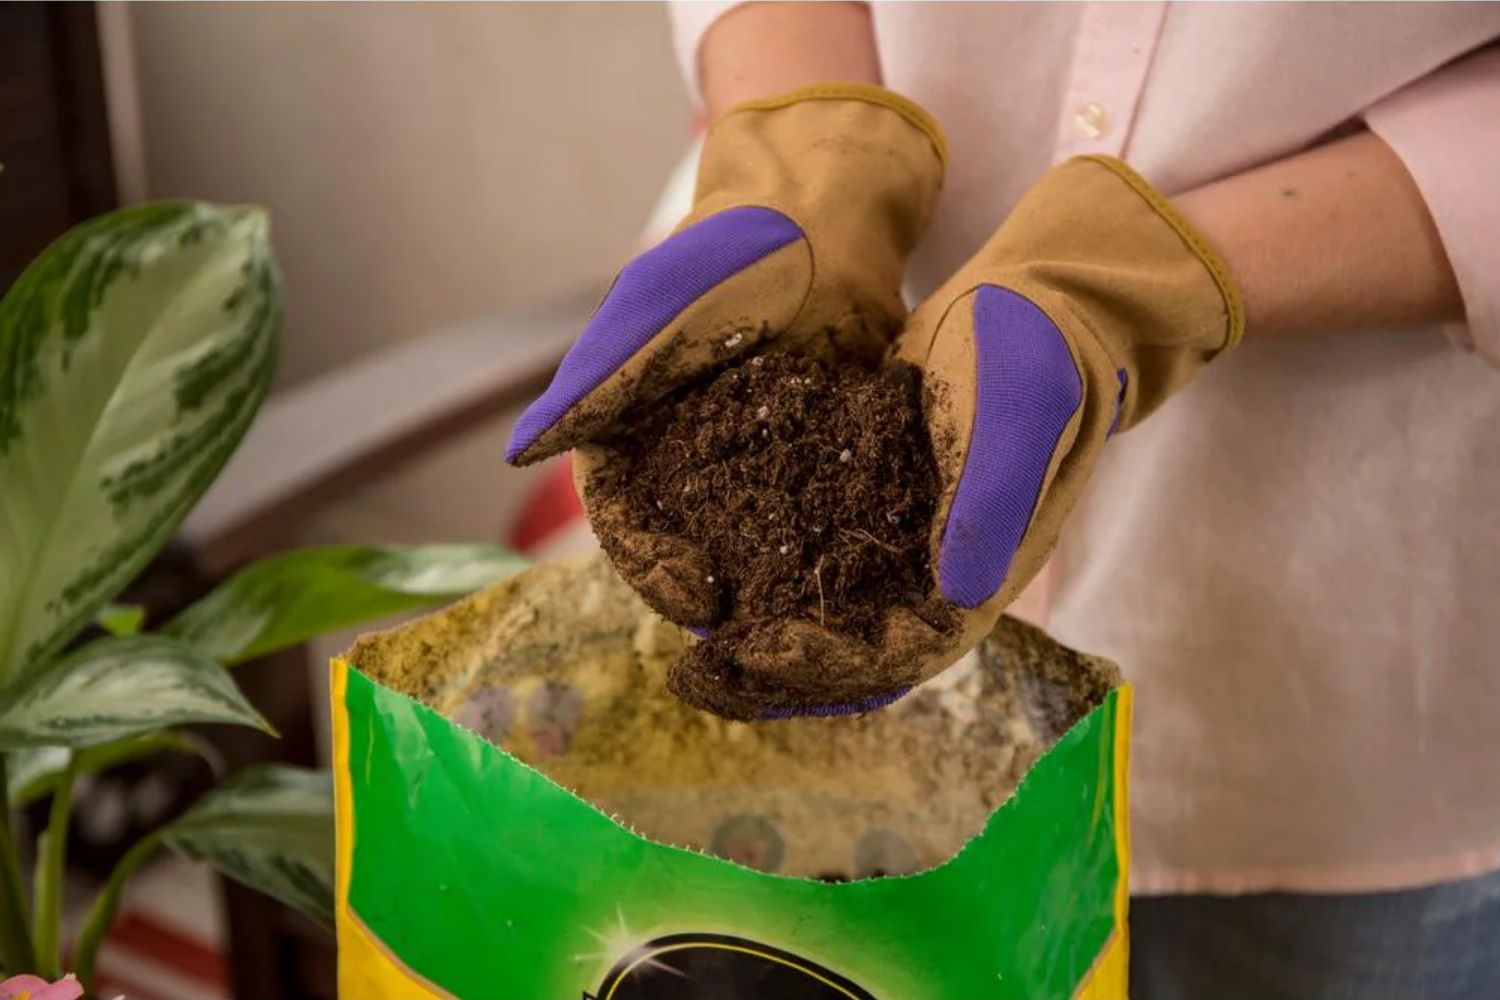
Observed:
{"x":1092,"y":120}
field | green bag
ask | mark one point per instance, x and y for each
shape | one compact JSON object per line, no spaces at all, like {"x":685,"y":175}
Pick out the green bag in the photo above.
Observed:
{"x":524,"y":813}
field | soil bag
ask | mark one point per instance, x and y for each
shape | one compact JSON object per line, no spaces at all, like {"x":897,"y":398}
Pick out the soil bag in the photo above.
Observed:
{"x":524,"y":813}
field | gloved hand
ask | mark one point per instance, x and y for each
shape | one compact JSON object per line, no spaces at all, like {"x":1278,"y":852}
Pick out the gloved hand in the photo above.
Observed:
{"x":806,"y":208}
{"x":1091,"y":304}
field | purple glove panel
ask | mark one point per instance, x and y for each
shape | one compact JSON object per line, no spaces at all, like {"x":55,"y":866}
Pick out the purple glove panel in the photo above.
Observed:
{"x":846,"y":708}
{"x":650,"y":291}
{"x":1123,"y":377}
{"x":1026,"y":389}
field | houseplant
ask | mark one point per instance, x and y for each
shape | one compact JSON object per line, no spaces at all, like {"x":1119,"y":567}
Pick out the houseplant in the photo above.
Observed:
{"x":134,"y":353}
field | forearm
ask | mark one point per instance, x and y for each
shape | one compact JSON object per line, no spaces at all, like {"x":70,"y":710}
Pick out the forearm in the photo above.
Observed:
{"x":1334,"y":239}
{"x":760,"y":49}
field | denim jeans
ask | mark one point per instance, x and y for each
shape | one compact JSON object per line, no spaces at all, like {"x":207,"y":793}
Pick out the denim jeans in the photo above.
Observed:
{"x":1440,"y":942}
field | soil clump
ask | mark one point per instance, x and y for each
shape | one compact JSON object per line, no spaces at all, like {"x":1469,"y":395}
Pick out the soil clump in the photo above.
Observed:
{"x":778,"y":488}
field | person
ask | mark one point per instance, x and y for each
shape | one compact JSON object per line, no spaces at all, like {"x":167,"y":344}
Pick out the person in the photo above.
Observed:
{"x":1296,"y":558}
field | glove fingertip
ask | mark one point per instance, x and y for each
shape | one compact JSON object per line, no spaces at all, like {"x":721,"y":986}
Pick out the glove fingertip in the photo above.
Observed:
{"x":647,"y":296}
{"x":533,"y":423}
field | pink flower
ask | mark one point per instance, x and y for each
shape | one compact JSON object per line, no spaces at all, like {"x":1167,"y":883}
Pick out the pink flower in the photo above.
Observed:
{"x":35,"y":988}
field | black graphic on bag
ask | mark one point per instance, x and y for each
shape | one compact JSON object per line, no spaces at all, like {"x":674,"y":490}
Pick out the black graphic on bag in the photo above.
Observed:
{"x":719,"y":967}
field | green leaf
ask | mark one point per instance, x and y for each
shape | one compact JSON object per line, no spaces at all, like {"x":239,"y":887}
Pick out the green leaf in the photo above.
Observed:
{"x":115,"y":688}
{"x":121,"y":619}
{"x":34,"y":771}
{"x":287,"y":599}
{"x":133,"y":355}
{"x":270,"y":828}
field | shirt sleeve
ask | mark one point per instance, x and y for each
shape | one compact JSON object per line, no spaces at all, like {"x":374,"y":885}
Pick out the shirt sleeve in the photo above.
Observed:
{"x":691,"y":20}
{"x":1444,"y":128}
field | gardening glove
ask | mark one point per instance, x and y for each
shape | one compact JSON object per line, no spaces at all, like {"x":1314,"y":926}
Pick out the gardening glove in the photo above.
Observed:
{"x":806,"y":207}
{"x":1092,"y":304}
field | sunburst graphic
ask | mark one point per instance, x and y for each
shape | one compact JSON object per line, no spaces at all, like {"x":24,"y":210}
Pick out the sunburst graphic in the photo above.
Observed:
{"x":618,"y":941}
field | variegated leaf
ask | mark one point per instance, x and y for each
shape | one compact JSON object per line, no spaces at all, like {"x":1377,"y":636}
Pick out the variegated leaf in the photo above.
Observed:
{"x":270,"y":828}
{"x":33,"y":771}
{"x":133,"y":354}
{"x":288,"y":599}
{"x":117,"y":688}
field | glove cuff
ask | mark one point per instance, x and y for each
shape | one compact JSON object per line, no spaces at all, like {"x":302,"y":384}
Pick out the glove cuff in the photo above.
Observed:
{"x":913,"y":112}
{"x":1234,"y":304}
{"x":1115,"y":265}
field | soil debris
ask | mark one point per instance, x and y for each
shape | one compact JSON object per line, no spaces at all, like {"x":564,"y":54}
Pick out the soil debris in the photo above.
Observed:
{"x":779,"y":488}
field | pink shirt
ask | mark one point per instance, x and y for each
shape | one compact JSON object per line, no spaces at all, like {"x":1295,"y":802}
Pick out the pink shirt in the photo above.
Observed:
{"x":1298,"y":559}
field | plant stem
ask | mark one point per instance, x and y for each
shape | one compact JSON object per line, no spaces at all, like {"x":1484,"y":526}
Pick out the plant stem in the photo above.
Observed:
{"x":15,"y":937}
{"x":106,"y":905}
{"x":51,"y":870}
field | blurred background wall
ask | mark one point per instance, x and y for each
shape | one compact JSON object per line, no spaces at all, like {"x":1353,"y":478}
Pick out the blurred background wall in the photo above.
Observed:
{"x":424,"y":165}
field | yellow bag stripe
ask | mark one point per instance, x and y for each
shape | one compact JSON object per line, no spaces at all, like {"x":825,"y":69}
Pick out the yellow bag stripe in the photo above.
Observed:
{"x":367,"y":970}
{"x":1109,"y":979}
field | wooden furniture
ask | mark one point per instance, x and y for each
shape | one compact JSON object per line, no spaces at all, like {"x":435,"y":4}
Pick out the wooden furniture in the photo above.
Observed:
{"x":54,"y":130}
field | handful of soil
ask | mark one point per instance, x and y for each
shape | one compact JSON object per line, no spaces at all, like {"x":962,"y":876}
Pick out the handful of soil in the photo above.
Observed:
{"x":810,"y":490}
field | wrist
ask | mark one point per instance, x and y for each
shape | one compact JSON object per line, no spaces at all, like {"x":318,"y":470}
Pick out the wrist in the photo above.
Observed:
{"x":756,"y":50}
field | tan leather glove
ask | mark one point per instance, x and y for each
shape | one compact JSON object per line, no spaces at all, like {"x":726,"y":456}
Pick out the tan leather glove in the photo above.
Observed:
{"x":1091,"y":304}
{"x":806,"y":207}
